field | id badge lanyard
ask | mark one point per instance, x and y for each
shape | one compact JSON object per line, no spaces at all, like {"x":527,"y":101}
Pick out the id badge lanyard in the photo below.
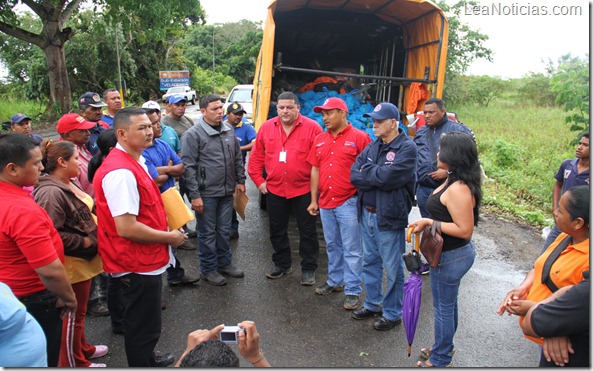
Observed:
{"x":282,"y":156}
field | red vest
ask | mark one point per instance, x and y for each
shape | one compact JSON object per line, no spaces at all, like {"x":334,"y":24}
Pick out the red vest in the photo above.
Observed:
{"x":120,"y":254}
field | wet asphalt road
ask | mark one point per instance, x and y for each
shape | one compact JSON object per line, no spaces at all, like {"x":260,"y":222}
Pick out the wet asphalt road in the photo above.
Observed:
{"x":301,"y":329}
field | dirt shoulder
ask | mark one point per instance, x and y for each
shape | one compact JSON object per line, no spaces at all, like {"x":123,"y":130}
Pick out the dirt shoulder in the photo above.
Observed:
{"x":516,"y":242}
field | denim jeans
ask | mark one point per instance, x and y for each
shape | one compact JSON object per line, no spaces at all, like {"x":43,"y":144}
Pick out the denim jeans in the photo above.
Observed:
{"x":554,"y":233}
{"x":279,"y":209}
{"x":344,"y":246}
{"x":214,"y":226}
{"x":175,"y":272}
{"x":382,"y":250}
{"x":422,"y":194}
{"x":234,"y":222}
{"x":444,"y":283}
{"x":42,"y":306}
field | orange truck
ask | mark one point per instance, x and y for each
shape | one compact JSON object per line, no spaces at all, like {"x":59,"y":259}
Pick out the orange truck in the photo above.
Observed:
{"x":388,"y":50}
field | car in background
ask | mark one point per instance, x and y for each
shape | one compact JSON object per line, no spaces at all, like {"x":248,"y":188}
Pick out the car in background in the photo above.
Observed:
{"x":186,"y":91}
{"x":242,"y":94}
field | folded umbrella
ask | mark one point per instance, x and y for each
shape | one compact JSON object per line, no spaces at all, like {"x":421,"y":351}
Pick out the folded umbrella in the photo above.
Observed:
{"x":412,"y":299}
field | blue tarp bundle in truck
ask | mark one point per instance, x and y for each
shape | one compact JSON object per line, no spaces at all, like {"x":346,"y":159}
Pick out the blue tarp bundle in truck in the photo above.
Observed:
{"x":356,"y":109}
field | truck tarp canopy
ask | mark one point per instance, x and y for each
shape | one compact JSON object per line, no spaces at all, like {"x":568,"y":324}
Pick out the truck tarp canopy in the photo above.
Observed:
{"x":350,"y":31}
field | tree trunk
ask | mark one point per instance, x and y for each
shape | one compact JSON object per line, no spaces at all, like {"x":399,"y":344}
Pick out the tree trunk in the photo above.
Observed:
{"x":59,"y":83}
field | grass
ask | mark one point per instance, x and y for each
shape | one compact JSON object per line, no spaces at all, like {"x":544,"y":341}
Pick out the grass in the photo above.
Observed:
{"x":30,"y":108}
{"x":521,"y":147}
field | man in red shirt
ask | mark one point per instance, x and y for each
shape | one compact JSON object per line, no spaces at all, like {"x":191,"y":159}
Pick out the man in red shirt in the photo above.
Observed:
{"x":332,"y":156}
{"x":31,"y":250}
{"x":281,"y":148}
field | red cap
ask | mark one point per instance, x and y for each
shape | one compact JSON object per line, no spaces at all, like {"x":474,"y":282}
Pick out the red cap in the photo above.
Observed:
{"x":73,"y":121}
{"x":332,"y":103}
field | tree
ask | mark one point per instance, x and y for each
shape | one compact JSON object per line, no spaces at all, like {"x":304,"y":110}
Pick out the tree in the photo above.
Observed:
{"x":570,"y":83}
{"x":51,"y":39}
{"x":142,"y":22}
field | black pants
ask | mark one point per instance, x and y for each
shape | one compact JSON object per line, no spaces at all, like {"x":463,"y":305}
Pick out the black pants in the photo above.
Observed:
{"x":115,"y":302}
{"x":141,"y":295}
{"x":42,"y":306}
{"x":279,"y":209}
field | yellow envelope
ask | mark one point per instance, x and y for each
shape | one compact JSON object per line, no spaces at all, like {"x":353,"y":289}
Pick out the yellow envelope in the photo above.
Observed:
{"x":178,"y":213}
{"x":240,"y":200}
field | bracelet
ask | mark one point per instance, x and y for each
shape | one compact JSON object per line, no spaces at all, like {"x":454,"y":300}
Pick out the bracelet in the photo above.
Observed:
{"x":260,"y":358}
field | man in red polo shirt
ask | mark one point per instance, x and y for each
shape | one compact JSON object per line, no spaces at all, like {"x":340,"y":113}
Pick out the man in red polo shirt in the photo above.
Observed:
{"x":31,"y":250}
{"x":332,"y":156}
{"x":281,"y":148}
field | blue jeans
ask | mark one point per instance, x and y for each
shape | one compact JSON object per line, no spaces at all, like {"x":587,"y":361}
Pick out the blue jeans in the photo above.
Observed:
{"x":344,"y":248}
{"x":214,"y":226}
{"x":234,"y":222}
{"x":444,"y":283}
{"x":422,"y":194}
{"x":382,"y":250}
{"x":554,"y":233}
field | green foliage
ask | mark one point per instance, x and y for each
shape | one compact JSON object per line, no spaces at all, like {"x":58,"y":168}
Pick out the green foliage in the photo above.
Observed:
{"x":204,"y":81}
{"x":465,"y":44}
{"x":535,"y":88}
{"x":30,"y":108}
{"x":483,"y":89}
{"x":571,"y":85}
{"x":521,"y":147}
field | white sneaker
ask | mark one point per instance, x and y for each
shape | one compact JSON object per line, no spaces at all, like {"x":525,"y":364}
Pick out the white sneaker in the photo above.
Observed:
{"x":98,"y":365}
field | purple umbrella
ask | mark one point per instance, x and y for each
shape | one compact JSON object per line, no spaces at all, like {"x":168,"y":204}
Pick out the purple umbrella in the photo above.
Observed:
{"x":412,"y":297}
{"x":411,"y":307}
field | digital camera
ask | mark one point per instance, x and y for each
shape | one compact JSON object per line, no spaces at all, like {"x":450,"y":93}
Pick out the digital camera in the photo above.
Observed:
{"x":230,"y":334}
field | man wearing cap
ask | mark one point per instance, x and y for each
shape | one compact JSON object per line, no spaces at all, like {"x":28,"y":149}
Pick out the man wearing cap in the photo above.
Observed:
{"x":75,"y":128}
{"x":135,"y":239}
{"x":213,"y":172}
{"x":168,"y":135}
{"x":163,"y":166}
{"x":31,"y":250}
{"x":281,"y":148}
{"x":21,"y":123}
{"x":245,"y":134}
{"x":427,"y":139}
{"x":113,"y":100}
{"x":331,"y":157}
{"x":176,"y":118}
{"x":384,"y":174}
{"x":89,"y":107}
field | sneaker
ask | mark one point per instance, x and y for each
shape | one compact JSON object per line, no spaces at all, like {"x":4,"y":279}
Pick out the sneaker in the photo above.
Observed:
{"x":231,"y":271}
{"x":213,"y":278}
{"x":352,"y":302}
{"x":327,"y":289}
{"x":187,"y":245}
{"x":233,"y":235}
{"x":98,"y":308}
{"x":97,"y":365}
{"x":364,"y":313}
{"x":183,"y":280}
{"x":100,"y":351}
{"x":308,"y":279}
{"x":425,"y":269}
{"x":383,"y":323}
{"x":278,"y":272}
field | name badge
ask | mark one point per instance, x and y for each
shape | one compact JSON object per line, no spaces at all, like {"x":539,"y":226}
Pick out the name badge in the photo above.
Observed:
{"x":282,"y":156}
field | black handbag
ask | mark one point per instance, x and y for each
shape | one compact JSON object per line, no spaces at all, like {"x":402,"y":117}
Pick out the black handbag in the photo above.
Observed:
{"x":431,"y":244}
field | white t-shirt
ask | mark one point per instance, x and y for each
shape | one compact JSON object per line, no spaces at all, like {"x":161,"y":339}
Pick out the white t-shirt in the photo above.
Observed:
{"x":121,"y":192}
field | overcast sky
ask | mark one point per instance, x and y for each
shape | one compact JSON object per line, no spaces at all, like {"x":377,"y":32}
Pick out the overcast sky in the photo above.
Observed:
{"x":519,"y":39}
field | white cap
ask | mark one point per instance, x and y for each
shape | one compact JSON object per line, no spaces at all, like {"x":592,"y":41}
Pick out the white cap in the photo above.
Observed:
{"x":151,"y":105}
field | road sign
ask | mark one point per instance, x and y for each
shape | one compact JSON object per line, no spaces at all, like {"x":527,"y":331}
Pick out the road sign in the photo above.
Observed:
{"x":173,"y":78}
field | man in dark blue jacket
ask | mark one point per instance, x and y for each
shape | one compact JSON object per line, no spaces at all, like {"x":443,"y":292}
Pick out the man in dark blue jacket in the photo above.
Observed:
{"x":384,"y":174}
{"x":427,"y":140}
